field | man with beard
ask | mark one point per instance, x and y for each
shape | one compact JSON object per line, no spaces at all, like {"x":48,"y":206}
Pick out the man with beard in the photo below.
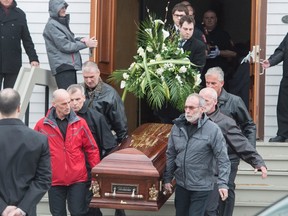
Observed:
{"x":194,"y":143}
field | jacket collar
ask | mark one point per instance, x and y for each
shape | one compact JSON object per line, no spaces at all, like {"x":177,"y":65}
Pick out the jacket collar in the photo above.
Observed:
{"x":181,"y":121}
{"x":11,"y":121}
{"x":213,"y":115}
{"x":51,"y":119}
{"x":223,"y":97}
{"x":84,"y":108}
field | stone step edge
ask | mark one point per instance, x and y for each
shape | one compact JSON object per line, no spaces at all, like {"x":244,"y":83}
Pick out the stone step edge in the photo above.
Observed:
{"x":261,"y":187}
{"x":270,"y":173}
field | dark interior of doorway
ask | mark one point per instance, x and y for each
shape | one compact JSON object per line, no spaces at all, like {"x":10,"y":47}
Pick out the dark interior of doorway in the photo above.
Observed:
{"x":234,"y":16}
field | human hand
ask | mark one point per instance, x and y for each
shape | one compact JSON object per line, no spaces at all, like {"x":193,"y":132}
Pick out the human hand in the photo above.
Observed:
{"x":34,"y":64}
{"x":265,"y":64}
{"x":263,"y":170}
{"x":7,"y":210}
{"x":168,"y":187}
{"x":214,"y":53}
{"x":223,"y":193}
{"x":16,"y":212}
{"x":91,"y":43}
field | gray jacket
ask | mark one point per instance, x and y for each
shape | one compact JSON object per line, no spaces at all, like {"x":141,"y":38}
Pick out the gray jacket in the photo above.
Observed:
{"x":62,"y":48}
{"x":190,"y":160}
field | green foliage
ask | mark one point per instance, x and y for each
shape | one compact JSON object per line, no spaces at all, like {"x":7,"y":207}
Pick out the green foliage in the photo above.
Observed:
{"x":161,"y":71}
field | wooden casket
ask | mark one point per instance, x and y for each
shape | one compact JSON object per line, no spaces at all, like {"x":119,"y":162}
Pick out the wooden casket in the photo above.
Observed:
{"x":131,"y":177}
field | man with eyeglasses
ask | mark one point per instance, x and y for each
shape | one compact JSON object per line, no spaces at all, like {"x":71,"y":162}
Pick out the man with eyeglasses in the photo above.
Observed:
{"x":178,"y":11}
{"x":194,"y":143}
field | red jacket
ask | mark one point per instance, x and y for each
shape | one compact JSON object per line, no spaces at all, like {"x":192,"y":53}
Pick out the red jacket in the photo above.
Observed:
{"x":68,"y":156}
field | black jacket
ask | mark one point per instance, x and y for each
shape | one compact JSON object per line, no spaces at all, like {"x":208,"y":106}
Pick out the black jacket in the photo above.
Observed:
{"x":197,"y":51}
{"x":98,"y":127}
{"x":281,"y":54}
{"x":13,"y":29}
{"x":237,"y":143}
{"x":25,"y":170}
{"x":107,"y":101}
{"x":234,"y":107}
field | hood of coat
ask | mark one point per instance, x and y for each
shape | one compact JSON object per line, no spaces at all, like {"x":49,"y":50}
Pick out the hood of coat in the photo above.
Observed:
{"x":55,"y":6}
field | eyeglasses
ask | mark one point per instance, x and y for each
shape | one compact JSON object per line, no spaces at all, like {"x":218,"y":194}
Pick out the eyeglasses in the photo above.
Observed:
{"x":190,"y":107}
{"x":178,"y":15}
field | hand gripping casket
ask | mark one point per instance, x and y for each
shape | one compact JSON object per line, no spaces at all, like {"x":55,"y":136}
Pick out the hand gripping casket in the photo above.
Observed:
{"x":131,"y":177}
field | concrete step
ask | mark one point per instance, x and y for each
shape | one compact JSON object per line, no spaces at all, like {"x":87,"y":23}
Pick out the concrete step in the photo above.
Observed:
{"x":274,"y":178}
{"x":248,"y":208}
{"x":259,"y":193}
{"x":272,"y":149}
{"x":273,"y":164}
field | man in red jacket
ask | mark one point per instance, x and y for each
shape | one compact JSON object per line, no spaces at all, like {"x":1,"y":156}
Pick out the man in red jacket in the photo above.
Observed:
{"x":70,"y":141}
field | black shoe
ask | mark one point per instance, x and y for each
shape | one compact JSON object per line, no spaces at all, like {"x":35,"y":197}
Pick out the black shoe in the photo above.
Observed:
{"x":277,"y":139}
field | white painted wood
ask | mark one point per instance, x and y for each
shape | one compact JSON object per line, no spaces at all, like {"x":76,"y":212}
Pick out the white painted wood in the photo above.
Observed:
{"x":37,"y":16}
{"x":276,"y":30}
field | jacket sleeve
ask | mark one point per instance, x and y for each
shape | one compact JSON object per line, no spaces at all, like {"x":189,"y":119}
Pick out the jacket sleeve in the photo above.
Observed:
{"x":42,"y":181}
{"x":223,"y":162}
{"x":27,"y":41}
{"x":199,"y":56}
{"x":246,"y":124}
{"x":105,"y":136}
{"x":241,"y":146}
{"x":170,"y":160}
{"x":90,"y":146}
{"x":61,"y":41}
{"x":278,"y":54}
{"x":117,"y":118}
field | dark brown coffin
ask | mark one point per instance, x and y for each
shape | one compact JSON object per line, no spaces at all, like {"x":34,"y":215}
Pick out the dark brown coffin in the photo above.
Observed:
{"x":131,"y":177}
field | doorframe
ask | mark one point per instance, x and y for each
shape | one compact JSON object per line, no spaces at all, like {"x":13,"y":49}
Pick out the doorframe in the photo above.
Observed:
{"x":258,"y":44}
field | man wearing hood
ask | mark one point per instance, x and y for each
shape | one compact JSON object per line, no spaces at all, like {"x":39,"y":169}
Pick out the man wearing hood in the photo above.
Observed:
{"x":13,"y":30}
{"x":61,"y":45}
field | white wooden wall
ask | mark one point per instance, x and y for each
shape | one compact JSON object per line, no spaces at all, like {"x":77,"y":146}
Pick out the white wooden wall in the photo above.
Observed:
{"x":276,"y":30}
{"x":37,"y":16}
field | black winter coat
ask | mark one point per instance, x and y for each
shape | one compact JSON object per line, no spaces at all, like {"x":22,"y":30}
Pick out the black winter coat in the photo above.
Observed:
{"x":107,"y":101}
{"x":98,"y":127}
{"x":13,"y":29}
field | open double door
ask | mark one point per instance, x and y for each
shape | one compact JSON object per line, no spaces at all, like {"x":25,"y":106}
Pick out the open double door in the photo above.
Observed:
{"x":113,"y":22}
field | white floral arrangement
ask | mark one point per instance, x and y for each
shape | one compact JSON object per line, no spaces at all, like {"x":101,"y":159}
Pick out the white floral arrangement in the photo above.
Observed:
{"x":161,"y":72}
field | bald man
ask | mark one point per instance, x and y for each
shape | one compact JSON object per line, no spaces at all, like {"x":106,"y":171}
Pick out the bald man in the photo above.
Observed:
{"x":70,"y":141}
{"x":237,"y":145}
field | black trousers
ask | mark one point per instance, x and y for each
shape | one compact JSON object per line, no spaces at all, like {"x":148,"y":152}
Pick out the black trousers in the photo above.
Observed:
{"x":190,"y":203}
{"x":217,"y":207}
{"x":75,"y":195}
{"x":66,"y":78}
{"x":8,"y":80}
{"x":282,"y":108}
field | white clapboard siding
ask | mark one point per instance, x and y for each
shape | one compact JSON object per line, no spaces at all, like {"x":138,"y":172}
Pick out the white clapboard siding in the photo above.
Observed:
{"x":276,"y":30}
{"x":37,"y":16}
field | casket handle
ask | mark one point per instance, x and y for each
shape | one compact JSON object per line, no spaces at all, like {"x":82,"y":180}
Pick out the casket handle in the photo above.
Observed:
{"x":127,"y":196}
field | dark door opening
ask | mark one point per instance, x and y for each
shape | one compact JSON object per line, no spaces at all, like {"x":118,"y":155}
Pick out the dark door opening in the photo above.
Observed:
{"x":233,"y":16}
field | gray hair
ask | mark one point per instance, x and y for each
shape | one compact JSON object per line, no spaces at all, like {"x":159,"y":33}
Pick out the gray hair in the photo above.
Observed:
{"x":90,"y":66}
{"x":75,"y":87}
{"x":217,"y":71}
